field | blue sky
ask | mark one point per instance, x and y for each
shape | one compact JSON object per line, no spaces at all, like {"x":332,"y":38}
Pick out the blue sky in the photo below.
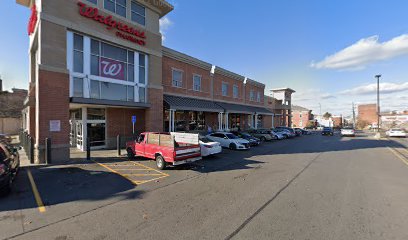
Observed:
{"x":328,"y":51}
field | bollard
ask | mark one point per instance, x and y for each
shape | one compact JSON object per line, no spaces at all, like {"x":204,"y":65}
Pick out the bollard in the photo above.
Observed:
{"x":118,"y":144}
{"x":88,"y":148}
{"x":48,"y":159}
{"x":31,"y":149}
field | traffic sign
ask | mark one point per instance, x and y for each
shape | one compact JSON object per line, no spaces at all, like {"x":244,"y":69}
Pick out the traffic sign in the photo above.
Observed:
{"x":133,"y":119}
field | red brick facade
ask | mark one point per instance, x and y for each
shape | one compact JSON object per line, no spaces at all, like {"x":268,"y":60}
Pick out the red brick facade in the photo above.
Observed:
{"x":367,"y":113}
{"x":154,"y":114}
{"x":219,"y":80}
{"x":301,"y":118}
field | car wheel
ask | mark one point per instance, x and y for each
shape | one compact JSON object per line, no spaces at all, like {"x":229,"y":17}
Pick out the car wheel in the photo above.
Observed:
{"x":232,"y":146}
{"x":130,"y":153}
{"x":160,"y":163}
{"x":263,"y":139}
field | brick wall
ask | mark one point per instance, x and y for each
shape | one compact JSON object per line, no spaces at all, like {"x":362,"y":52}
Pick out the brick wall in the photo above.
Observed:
{"x":256,"y":89}
{"x":300,"y":118}
{"x":188,"y":72}
{"x":53,"y":104}
{"x":219,"y":79}
{"x":154,"y":114}
{"x":367,"y":112}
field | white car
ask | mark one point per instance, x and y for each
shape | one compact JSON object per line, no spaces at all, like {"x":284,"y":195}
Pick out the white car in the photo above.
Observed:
{"x":396,"y":132}
{"x":209,"y":147}
{"x":278,"y":136}
{"x":229,"y":140}
{"x":348,"y":132}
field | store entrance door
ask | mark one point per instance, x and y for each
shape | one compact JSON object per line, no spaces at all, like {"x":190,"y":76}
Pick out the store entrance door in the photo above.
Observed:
{"x":96,"y":132}
{"x":76,"y":134}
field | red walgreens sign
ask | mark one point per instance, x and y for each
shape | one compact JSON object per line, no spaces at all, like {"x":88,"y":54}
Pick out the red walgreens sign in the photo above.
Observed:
{"x":33,"y":20}
{"x":112,"y":69}
{"x":124,"y":30}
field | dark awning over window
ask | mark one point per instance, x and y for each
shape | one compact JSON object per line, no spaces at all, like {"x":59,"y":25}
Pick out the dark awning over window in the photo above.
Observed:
{"x":190,"y":104}
{"x":237,"y":108}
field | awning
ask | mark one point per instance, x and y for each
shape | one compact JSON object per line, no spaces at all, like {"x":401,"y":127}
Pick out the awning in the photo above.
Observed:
{"x":190,"y":104}
{"x":237,"y":108}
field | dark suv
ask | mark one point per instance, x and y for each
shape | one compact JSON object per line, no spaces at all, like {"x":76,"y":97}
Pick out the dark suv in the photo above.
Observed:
{"x":9,"y":165}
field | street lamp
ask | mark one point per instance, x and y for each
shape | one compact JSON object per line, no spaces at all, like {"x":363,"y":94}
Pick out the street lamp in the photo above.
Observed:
{"x":378,"y":102}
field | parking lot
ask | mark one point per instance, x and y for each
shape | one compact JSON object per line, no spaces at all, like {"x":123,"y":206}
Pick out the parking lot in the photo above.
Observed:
{"x":279,"y":185}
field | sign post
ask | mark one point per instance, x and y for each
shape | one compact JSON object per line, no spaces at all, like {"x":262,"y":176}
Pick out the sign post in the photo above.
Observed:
{"x":133,"y":123}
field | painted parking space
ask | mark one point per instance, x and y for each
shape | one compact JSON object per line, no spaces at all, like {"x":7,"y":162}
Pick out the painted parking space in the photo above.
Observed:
{"x":135,"y":172}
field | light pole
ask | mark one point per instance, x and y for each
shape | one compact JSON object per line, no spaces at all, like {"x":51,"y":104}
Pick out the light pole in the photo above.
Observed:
{"x":378,"y":102}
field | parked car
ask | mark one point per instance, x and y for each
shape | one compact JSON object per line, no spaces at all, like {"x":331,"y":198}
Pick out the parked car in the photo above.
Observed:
{"x":253,"y":141}
{"x":396,"y":132}
{"x":347,"y":132}
{"x":262,"y":134}
{"x":285,"y":132}
{"x":306,"y":132}
{"x":166,"y":148}
{"x":209,"y":147}
{"x":229,"y":140}
{"x":278,"y":135}
{"x":327,"y":131}
{"x":290,"y":130}
{"x":9,"y":166}
{"x":298,"y":131}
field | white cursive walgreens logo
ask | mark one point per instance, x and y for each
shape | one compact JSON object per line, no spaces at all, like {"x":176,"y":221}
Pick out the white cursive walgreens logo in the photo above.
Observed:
{"x":112,"y":69}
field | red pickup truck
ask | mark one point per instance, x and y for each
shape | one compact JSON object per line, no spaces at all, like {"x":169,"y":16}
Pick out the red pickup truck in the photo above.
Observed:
{"x":166,"y":148}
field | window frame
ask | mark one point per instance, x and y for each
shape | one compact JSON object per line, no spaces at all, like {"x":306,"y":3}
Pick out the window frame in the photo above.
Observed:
{"x":235,"y":86}
{"x":90,"y":1}
{"x":116,"y":3}
{"x":252,"y":95}
{"x":131,"y":12}
{"x":194,"y":84}
{"x":181,"y":78}
{"x":222,"y":89}
{"x":258,"y":96}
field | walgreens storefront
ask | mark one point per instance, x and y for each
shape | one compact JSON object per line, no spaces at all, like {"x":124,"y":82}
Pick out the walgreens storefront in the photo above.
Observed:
{"x":95,"y":67}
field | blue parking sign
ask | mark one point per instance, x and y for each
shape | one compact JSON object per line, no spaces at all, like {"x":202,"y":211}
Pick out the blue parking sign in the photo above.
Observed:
{"x":133,"y":119}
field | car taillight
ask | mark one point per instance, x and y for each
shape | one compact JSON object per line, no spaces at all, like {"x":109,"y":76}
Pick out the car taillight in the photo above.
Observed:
{"x":2,"y":168}
{"x":174,"y":155}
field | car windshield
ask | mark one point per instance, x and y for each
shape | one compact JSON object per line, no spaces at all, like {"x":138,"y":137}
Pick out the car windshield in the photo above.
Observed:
{"x":246,"y":135}
{"x":231,"y":136}
{"x":205,"y":140}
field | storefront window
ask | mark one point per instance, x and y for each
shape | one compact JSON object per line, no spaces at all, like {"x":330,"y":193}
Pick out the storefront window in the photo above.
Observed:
{"x":142,"y":68}
{"x":116,"y":6}
{"x":234,"y":121}
{"x":142,"y":94}
{"x":96,"y":114}
{"x":138,"y":13}
{"x":75,"y":114}
{"x":78,"y":87}
{"x":113,"y":91}
{"x":78,"y":53}
{"x":189,"y":121}
{"x":95,"y":89}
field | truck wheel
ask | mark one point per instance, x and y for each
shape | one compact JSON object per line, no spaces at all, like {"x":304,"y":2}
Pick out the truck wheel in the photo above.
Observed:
{"x":130,"y":153}
{"x":160,"y":163}
{"x":232,"y":146}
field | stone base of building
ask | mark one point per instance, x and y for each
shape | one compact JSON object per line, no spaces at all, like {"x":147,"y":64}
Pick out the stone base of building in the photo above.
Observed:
{"x":60,"y":154}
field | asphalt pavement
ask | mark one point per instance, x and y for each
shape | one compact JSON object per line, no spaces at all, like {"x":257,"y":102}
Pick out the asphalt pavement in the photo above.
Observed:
{"x":311,"y":187}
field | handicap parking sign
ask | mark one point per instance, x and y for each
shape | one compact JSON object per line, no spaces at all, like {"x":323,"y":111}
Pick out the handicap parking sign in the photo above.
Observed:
{"x":133,"y":119}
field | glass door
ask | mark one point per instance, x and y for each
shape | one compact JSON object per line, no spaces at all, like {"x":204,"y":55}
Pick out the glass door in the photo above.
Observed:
{"x":97,"y":134}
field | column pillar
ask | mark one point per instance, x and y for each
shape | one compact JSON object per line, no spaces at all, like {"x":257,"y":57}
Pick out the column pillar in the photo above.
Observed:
{"x":171,"y":120}
{"x":226,"y":121}
{"x":256,"y":121}
{"x":84,"y":128}
{"x":273,"y":120}
{"x":220,"y":121}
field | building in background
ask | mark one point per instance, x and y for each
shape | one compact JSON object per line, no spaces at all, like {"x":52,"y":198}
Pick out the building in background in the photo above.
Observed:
{"x":284,"y":108}
{"x":338,"y":121}
{"x":394,"y":119}
{"x":11,"y":106}
{"x":367,"y":115}
{"x":301,"y":117}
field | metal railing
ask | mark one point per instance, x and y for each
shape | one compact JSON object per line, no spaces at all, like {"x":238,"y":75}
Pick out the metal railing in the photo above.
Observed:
{"x":27,"y":142}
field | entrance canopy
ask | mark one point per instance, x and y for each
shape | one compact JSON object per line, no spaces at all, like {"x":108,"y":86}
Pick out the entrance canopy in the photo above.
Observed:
{"x":190,"y":104}
{"x":236,"y":108}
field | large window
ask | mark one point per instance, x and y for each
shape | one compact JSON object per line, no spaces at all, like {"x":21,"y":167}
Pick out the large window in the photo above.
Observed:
{"x":116,"y":6}
{"x":110,"y":72}
{"x":78,"y":53}
{"x":138,"y":13}
{"x":235,"y":91}
{"x":258,"y":97}
{"x":197,"y":83}
{"x":93,"y":1}
{"x":252,"y":95}
{"x":224,"y":89}
{"x":177,"y":78}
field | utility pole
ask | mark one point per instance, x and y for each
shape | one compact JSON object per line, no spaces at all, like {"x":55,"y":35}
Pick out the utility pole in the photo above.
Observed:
{"x":378,"y":102}
{"x":354,"y":115}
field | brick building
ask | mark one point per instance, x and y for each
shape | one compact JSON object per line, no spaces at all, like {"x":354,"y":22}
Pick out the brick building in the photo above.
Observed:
{"x":301,"y":116}
{"x":93,"y":67}
{"x":367,"y":113}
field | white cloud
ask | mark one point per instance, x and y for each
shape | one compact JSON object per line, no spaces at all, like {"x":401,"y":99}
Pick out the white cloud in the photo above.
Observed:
{"x":372,"y":89}
{"x":365,"y":51}
{"x":165,"y":24}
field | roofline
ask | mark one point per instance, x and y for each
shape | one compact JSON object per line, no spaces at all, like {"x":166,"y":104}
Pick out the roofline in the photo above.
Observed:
{"x":256,"y":83}
{"x":176,"y":55}
{"x":230,"y":74}
{"x":282,"y":89}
